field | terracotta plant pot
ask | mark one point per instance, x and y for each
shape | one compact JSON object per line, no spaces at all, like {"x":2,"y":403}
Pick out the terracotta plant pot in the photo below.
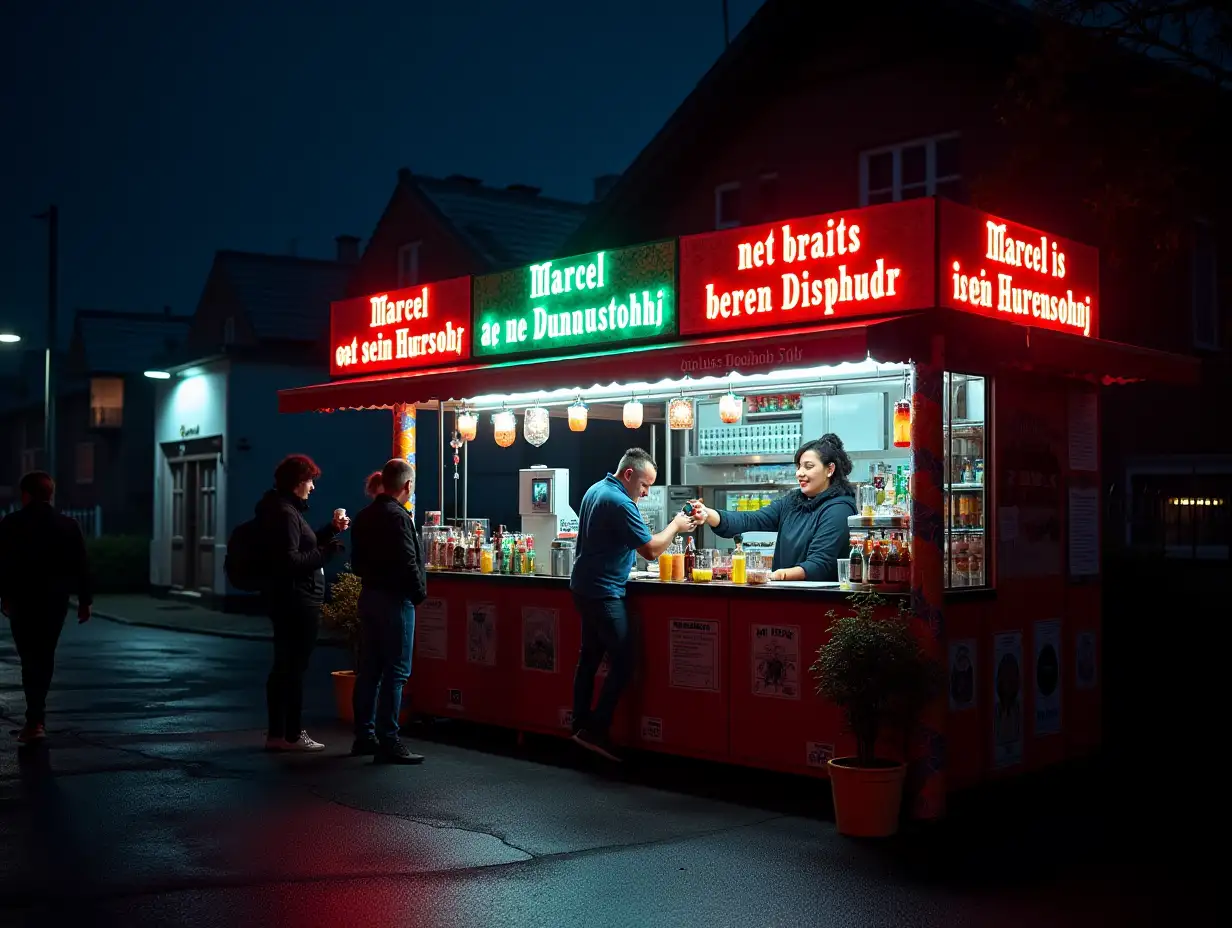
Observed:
{"x":344,"y":697}
{"x":867,"y":800}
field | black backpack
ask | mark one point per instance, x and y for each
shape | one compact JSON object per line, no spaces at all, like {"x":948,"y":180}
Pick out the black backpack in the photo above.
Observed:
{"x":247,"y":562}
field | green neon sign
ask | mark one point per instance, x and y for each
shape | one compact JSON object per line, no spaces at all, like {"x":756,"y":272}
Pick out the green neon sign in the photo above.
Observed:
{"x":570,"y":304}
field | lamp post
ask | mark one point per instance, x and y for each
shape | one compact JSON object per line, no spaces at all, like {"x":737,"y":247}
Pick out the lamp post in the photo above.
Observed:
{"x":52,"y":215}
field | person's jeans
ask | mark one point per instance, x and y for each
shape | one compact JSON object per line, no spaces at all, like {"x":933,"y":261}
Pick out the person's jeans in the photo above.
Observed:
{"x":386,"y":638}
{"x":605,"y":629}
{"x":295,"y":635}
{"x":36,"y":632}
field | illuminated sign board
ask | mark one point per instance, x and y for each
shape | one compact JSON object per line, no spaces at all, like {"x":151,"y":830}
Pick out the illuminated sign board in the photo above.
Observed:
{"x":573,"y":304}
{"x":1000,"y":269}
{"x":860,"y":262}
{"x":424,"y":326}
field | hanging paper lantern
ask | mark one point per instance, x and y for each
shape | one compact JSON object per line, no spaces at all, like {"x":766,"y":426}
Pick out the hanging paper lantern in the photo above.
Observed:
{"x":680,"y":414}
{"x":633,"y":414}
{"x":468,"y":425}
{"x":730,"y":408}
{"x":535,"y":425}
{"x":902,"y":424}
{"x":577,"y":417}
{"x":505,"y":426}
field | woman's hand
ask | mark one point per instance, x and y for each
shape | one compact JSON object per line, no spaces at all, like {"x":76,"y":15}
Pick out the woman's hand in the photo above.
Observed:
{"x":341,"y":520}
{"x":779,"y":575}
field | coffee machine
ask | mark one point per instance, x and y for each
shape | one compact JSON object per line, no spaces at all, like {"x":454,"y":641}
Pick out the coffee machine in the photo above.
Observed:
{"x":543,"y":504}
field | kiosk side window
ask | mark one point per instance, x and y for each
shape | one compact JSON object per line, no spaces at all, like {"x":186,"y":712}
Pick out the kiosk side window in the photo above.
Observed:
{"x":966,"y":411}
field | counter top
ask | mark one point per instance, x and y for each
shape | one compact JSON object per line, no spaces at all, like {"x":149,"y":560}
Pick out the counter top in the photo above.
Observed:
{"x":643,"y":582}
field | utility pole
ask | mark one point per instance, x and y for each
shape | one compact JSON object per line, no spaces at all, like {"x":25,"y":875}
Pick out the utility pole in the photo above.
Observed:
{"x":53,"y":279}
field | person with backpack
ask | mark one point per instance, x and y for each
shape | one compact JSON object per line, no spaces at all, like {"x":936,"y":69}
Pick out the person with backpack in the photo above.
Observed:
{"x":293,"y":590}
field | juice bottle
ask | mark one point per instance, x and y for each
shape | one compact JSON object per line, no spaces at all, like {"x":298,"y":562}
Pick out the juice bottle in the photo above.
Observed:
{"x":690,"y":558}
{"x":665,"y":566}
{"x":856,"y":554}
{"x":485,"y":559}
{"x":677,"y":562}
{"x":739,"y":567}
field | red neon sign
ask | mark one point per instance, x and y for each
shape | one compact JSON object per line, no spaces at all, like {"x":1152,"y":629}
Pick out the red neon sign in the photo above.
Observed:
{"x":424,"y":326}
{"x":859,"y":262}
{"x":998,"y":268}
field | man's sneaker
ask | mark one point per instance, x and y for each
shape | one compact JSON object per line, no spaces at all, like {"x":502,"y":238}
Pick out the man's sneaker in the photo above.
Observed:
{"x":397,"y":753}
{"x":597,"y":744}
{"x":32,"y":733}
{"x":365,"y":747}
{"x":301,"y":744}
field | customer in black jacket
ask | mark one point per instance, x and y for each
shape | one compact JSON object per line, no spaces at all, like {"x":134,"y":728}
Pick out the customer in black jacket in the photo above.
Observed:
{"x":295,"y":587}
{"x":386,"y":557}
{"x":42,"y":561}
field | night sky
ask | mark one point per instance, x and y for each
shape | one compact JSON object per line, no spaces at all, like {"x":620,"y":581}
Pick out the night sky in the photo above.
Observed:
{"x":165,"y":131}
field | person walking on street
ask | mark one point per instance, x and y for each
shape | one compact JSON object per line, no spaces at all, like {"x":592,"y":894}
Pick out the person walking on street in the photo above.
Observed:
{"x":610,"y":530}
{"x":42,"y":562}
{"x":386,"y":557}
{"x":293,"y":591}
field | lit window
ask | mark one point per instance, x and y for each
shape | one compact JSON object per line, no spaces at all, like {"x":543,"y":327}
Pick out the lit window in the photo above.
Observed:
{"x":85,"y":462}
{"x":922,"y":168}
{"x":1205,"y":295}
{"x":726,"y":206}
{"x":408,"y":265}
{"x":106,"y":402}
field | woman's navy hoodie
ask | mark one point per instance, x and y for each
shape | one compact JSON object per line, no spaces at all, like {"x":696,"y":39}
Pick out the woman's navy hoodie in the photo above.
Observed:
{"x":813,"y":533}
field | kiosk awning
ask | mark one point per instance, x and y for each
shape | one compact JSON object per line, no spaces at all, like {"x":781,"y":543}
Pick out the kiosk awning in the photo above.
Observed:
{"x":886,"y":340}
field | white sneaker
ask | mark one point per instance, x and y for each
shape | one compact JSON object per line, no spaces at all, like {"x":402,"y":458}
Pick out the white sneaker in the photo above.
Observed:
{"x":303,"y":743}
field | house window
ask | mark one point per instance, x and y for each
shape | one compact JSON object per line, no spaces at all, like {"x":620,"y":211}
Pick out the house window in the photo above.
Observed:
{"x":228,"y":331}
{"x":1181,"y":515}
{"x":85,"y":462}
{"x":727,"y":205}
{"x":106,"y":402}
{"x":922,"y":168}
{"x":31,"y":459}
{"x":1205,"y":295}
{"x":408,"y":265}
{"x":768,"y":197}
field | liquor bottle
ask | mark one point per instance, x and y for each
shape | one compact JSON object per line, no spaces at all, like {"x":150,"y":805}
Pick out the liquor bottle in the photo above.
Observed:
{"x":690,"y":558}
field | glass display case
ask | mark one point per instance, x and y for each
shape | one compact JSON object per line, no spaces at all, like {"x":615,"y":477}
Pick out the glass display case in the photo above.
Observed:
{"x":966,"y":412}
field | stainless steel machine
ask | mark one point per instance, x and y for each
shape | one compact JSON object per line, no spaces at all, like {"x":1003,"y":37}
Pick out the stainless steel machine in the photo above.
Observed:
{"x":543,"y":504}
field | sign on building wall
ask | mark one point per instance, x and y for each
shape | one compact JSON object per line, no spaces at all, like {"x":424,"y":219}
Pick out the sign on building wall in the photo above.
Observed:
{"x":873,"y":261}
{"x":1014,"y":273}
{"x":423,"y":326}
{"x":571,"y":305}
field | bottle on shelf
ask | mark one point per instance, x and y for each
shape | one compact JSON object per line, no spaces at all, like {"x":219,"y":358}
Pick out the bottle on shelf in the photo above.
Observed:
{"x":856,"y":554}
{"x":690,"y":558}
{"x":739,"y":563}
{"x":876,"y":565}
{"x":892,"y":563}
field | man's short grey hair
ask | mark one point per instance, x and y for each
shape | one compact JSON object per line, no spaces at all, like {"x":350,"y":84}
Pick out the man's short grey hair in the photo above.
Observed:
{"x":637,"y":458}
{"x":395,"y":474}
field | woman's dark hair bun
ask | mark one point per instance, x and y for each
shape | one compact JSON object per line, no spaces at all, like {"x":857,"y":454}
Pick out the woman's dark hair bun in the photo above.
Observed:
{"x":831,"y":439}
{"x":842,"y":462}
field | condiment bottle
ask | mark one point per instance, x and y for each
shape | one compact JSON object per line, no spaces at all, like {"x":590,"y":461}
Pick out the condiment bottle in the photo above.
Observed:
{"x":739,"y":563}
{"x":892,"y":563}
{"x":904,"y":558}
{"x":856,"y":555}
{"x":876,"y":565}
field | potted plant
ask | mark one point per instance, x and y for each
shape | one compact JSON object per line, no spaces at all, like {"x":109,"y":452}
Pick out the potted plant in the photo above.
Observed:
{"x":342,"y":614}
{"x":874,"y":669}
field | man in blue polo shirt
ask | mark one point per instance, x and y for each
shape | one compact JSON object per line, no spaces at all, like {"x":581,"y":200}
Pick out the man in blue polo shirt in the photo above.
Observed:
{"x":610,"y":530}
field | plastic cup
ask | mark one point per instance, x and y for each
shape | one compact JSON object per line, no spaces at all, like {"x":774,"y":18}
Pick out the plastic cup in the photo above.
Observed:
{"x":844,"y":573}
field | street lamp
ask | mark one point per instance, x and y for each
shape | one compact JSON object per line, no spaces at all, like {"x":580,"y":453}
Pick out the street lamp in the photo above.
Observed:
{"x":9,"y":338}
{"x":158,"y":375}
{"x":52,"y":215}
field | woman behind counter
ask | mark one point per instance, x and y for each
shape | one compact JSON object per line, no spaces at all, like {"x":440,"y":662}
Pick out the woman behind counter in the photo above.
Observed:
{"x":811,"y":524}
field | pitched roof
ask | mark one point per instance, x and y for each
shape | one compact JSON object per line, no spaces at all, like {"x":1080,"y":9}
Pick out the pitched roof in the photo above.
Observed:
{"x":505,"y":227}
{"x":284,"y":296}
{"x":128,"y":342}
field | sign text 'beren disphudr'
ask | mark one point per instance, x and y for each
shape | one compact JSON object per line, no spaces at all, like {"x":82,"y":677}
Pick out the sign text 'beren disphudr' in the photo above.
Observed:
{"x":619,"y":295}
{"x":863,"y":261}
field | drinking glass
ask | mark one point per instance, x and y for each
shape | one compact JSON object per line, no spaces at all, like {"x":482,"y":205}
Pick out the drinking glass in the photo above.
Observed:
{"x":844,"y":573}
{"x":703,"y":565}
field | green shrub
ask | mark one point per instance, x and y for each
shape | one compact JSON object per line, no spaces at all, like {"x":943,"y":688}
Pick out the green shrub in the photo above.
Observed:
{"x":341,"y":611}
{"x":119,"y":563}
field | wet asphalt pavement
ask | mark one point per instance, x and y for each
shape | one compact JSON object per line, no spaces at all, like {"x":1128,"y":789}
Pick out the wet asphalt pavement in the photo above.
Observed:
{"x":152,"y":804}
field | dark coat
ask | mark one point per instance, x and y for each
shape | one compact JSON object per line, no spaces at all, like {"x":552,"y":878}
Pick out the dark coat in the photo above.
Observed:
{"x":298,"y":554}
{"x":42,"y":560}
{"x":813,"y":533}
{"x":386,"y":553}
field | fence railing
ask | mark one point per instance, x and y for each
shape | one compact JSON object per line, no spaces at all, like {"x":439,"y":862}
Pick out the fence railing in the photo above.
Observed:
{"x":91,"y":519}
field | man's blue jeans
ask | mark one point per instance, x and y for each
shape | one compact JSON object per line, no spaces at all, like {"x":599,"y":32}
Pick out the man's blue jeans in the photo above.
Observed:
{"x":605,"y":629}
{"x":387,"y":635}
